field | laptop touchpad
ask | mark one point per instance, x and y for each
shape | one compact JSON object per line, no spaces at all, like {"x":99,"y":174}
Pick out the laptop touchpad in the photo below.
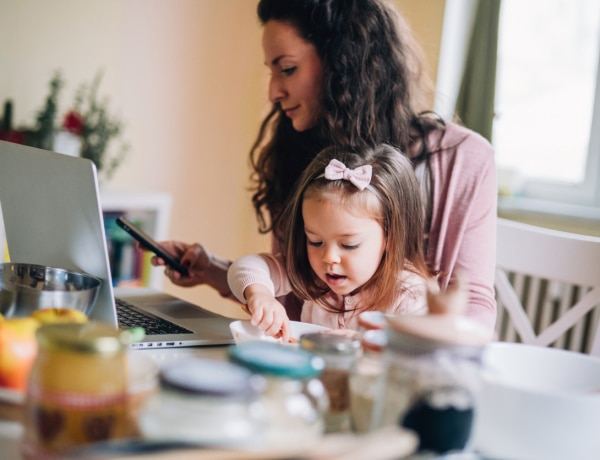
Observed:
{"x":183,"y":311}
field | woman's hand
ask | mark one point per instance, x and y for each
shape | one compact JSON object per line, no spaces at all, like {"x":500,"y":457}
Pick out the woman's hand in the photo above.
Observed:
{"x":267,"y":313}
{"x":202,"y":266}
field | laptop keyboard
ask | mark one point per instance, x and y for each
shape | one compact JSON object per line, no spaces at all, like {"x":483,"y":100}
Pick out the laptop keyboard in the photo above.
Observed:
{"x":128,"y":316}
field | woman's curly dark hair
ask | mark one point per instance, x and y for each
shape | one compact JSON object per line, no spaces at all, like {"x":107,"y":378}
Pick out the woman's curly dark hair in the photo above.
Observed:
{"x":373,"y":93}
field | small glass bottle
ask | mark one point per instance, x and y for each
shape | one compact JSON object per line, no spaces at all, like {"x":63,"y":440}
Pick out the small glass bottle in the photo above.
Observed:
{"x":295,"y":399}
{"x":77,"y":391}
{"x":205,"y":401}
{"x":365,"y":379}
{"x":340,"y":352}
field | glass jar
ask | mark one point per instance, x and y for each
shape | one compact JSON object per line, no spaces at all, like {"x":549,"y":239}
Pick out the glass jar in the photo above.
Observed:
{"x":295,"y":399}
{"x":77,"y":392}
{"x":431,"y":375}
{"x":365,"y":379}
{"x":339,"y":352}
{"x":205,"y":401}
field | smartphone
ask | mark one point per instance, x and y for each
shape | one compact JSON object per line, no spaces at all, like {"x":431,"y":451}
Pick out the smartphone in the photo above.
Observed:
{"x":148,"y":243}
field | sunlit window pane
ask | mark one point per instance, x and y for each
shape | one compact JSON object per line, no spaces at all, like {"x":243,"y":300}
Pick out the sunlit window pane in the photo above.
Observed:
{"x":547,"y":73}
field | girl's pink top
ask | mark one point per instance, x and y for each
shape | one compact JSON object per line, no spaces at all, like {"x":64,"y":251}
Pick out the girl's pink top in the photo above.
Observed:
{"x":269,"y":271}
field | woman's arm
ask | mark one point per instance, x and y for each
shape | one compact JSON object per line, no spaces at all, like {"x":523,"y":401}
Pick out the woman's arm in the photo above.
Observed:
{"x":462,"y":236}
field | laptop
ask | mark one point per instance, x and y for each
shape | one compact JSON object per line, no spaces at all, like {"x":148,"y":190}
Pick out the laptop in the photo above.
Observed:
{"x":50,"y":206}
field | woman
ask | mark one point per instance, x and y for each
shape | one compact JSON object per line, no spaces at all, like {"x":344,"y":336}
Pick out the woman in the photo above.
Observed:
{"x":348,"y":72}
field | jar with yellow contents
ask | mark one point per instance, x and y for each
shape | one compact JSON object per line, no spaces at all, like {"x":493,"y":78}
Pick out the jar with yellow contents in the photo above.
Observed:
{"x":77,"y":392}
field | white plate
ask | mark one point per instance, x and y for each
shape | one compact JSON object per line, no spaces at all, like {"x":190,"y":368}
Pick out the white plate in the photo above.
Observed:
{"x":244,"y":331}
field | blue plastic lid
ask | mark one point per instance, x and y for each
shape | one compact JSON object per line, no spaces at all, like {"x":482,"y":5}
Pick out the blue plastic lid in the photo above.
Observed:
{"x":207,"y":377}
{"x":274,"y":359}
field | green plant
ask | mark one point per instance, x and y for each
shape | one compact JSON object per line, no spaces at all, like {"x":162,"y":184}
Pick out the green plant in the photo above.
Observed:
{"x":99,"y":129}
{"x":42,"y":135}
{"x":89,"y":119}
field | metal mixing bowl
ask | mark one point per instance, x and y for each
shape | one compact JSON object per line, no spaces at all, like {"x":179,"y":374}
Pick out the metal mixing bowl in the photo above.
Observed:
{"x":25,"y":288}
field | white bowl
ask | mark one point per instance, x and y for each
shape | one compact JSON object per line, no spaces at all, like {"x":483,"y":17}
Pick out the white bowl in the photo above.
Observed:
{"x":243,"y":331}
{"x":538,"y":403}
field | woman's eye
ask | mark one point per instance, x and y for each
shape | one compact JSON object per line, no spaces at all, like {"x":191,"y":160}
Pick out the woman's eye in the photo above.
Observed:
{"x":288,"y":71}
{"x":350,"y":246}
{"x":314,"y":243}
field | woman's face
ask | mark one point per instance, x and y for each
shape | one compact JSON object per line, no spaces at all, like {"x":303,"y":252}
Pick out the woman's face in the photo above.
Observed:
{"x":296,"y":73}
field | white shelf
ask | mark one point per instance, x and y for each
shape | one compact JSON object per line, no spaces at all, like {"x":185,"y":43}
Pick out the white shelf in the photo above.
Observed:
{"x":155,"y":210}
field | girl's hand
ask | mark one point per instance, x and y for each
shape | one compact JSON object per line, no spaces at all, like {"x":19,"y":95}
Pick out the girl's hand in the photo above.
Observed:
{"x":267,"y":313}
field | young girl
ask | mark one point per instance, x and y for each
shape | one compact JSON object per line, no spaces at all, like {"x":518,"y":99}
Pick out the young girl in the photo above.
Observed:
{"x":353,"y":241}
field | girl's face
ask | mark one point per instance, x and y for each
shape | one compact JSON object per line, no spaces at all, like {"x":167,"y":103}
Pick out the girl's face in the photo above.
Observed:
{"x":296,"y":73}
{"x":344,"y":249}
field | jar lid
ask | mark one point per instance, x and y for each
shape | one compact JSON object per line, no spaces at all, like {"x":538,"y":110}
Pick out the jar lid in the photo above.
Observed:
{"x":89,"y":337}
{"x":372,"y":320}
{"x":417,"y":334}
{"x":445,"y":326}
{"x":374,"y":340}
{"x":275,"y":359}
{"x":208,"y":377}
{"x":330,"y":342}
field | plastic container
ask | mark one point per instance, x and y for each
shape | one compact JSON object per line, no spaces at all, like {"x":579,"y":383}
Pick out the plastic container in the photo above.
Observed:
{"x":205,"y":402}
{"x":339,"y":353}
{"x":295,"y":399}
{"x":77,"y":392}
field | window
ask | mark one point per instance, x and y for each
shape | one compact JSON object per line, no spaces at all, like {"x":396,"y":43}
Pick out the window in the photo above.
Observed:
{"x":547,"y":121}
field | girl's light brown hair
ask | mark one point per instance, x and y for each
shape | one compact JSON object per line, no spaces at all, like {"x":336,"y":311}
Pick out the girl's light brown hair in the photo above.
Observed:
{"x":396,"y":205}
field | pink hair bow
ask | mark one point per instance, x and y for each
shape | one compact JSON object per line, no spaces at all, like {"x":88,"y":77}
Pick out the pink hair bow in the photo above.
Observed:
{"x":360,"y":177}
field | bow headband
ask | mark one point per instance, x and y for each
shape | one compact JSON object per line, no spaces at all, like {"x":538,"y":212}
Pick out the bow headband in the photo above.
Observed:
{"x":359,"y":177}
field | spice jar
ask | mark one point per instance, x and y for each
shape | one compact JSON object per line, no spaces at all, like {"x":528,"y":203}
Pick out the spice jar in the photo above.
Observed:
{"x":365,"y":379}
{"x":77,"y":390}
{"x":295,"y":399}
{"x":339,"y":351}
{"x":205,"y":401}
{"x":431,"y":375}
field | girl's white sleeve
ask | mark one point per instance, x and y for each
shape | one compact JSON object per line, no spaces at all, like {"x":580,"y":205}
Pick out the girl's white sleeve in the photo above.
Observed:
{"x":264,"y":269}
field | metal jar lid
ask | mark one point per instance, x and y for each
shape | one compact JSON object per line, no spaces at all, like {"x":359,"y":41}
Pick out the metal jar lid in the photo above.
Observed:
{"x":330,"y":342}
{"x":374,"y":340}
{"x":277,"y":360}
{"x":211,"y":378}
{"x":372,"y":319}
{"x":92,"y":337}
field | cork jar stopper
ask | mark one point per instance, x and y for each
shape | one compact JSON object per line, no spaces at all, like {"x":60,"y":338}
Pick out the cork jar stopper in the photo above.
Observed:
{"x":445,"y":324}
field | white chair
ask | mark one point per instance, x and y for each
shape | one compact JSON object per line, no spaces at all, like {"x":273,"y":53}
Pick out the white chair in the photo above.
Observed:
{"x":548,"y":282}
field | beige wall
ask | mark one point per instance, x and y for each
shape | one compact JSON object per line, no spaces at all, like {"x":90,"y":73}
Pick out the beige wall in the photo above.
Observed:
{"x":187,"y":77}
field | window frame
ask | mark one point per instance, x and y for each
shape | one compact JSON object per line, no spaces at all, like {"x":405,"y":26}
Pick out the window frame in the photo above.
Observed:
{"x":580,"y":200}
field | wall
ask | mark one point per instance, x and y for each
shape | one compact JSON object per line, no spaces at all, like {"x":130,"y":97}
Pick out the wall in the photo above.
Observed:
{"x":187,"y":76}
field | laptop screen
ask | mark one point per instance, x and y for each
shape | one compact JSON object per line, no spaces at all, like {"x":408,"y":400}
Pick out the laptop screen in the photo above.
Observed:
{"x":52,"y":215}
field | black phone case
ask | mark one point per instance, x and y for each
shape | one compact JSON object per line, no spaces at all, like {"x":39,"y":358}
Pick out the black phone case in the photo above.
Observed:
{"x":148,"y":243}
